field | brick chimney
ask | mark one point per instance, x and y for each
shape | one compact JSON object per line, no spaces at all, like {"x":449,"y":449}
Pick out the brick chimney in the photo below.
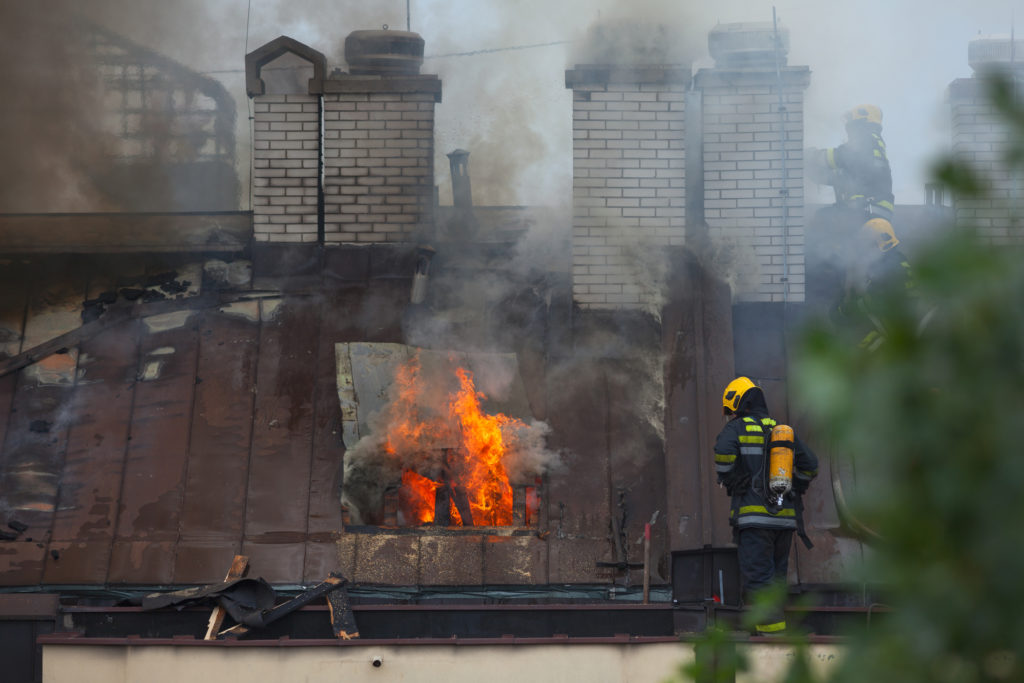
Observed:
{"x":981,"y":138}
{"x":628,"y":176}
{"x":286,"y":148}
{"x":351,"y":160}
{"x":752,"y":148}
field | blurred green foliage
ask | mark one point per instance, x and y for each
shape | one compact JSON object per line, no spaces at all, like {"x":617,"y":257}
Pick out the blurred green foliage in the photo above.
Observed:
{"x":935,"y":417}
{"x":934,"y":420}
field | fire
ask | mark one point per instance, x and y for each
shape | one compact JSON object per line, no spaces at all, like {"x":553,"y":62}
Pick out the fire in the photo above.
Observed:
{"x":418,"y":501}
{"x":480,"y":470}
{"x":468,"y":474}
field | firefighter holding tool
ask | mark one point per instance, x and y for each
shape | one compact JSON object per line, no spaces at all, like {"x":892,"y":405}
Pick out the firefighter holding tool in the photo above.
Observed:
{"x":765,"y":468}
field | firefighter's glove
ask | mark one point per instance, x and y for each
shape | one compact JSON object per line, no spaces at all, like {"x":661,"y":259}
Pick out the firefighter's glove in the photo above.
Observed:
{"x":800,"y":486}
{"x":738,"y":485}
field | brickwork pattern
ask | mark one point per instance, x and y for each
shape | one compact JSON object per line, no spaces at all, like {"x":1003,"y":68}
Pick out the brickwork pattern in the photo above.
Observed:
{"x":981,"y":138}
{"x":628,"y":189}
{"x":378,"y":166}
{"x":753,"y":199}
{"x":286,"y":149}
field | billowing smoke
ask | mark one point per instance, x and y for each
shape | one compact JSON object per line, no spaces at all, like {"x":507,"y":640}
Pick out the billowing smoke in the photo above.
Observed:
{"x":103,"y":122}
{"x":50,"y":122}
{"x":525,"y":159}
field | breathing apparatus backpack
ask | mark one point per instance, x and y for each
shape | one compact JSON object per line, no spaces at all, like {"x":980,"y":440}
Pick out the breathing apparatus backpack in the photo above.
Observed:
{"x":780,"y":464}
{"x":780,"y":457}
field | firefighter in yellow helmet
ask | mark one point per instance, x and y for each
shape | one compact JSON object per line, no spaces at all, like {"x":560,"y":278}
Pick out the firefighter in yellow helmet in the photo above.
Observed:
{"x":858,"y":170}
{"x":861,"y":311}
{"x":763,"y":522}
{"x":859,"y":173}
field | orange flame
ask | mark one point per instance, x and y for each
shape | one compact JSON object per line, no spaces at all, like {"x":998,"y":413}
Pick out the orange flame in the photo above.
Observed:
{"x":416,"y":498}
{"x":480,"y":470}
{"x":474,"y":471}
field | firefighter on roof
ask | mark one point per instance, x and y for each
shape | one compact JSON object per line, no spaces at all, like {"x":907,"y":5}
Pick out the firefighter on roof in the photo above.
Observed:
{"x":861,"y":311}
{"x":766,"y":469}
{"x":858,"y":172}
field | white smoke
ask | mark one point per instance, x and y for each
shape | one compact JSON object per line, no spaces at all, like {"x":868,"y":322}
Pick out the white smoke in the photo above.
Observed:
{"x":511,"y":107}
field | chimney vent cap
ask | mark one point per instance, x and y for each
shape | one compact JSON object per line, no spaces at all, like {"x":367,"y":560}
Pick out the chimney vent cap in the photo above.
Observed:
{"x":995,"y":51}
{"x":747,"y":44}
{"x":384,"y":53}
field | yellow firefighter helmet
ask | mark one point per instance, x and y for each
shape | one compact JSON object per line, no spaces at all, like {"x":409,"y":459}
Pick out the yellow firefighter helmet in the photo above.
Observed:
{"x":883,"y":234}
{"x":868,"y":113}
{"x":734,"y":392}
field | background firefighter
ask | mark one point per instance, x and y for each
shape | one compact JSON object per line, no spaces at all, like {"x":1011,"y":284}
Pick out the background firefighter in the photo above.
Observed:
{"x":763,"y":525}
{"x":860,"y":313}
{"x":859,"y":173}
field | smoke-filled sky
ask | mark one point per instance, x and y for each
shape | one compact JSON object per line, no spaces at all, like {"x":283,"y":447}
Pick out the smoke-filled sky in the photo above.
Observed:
{"x":511,"y":109}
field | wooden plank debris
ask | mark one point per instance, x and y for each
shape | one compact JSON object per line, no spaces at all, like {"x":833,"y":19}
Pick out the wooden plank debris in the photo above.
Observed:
{"x":343,"y":621}
{"x":118,"y":314}
{"x":239,"y":568}
{"x":333,"y":582}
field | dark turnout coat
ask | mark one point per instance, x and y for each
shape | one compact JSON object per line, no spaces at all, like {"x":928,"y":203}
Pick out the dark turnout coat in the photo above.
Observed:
{"x":741,"y":462}
{"x":858,"y":170}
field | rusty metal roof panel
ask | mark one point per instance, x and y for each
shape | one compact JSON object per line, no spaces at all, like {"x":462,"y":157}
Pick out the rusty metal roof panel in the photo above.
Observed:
{"x":221,"y":426}
{"x":154,"y":475}
{"x":325,"y":465}
{"x":322,"y":556}
{"x":99,"y":433}
{"x":578,"y":506}
{"x":203,"y":561}
{"x":277,"y":499}
{"x":142,"y":562}
{"x":277,"y":562}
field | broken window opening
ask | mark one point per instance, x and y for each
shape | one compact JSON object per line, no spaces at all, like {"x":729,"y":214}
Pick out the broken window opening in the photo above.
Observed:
{"x":429,"y":449}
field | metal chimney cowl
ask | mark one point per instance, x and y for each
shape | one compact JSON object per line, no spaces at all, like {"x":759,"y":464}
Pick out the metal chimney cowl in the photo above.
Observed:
{"x":985,"y":53}
{"x":747,"y":44}
{"x":384,"y":53}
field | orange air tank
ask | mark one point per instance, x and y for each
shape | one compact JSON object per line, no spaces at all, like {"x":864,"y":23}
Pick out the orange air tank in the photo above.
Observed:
{"x":780,"y":460}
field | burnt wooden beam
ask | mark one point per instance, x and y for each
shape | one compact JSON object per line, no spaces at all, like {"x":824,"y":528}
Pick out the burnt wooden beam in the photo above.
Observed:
{"x":239,"y":568}
{"x":442,"y":506}
{"x":113,"y":316}
{"x":461,"y":501}
{"x":343,"y":621}
{"x":65,"y":341}
{"x":333,"y":582}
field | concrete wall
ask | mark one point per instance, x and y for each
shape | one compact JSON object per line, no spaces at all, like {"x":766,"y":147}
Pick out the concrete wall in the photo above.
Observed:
{"x":647,"y":662}
{"x":628,"y":179}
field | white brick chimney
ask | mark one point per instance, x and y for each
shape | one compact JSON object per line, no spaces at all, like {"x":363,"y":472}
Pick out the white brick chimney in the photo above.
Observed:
{"x":981,"y":137}
{"x":628,"y":177}
{"x":352,"y":159}
{"x":753,"y":195}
